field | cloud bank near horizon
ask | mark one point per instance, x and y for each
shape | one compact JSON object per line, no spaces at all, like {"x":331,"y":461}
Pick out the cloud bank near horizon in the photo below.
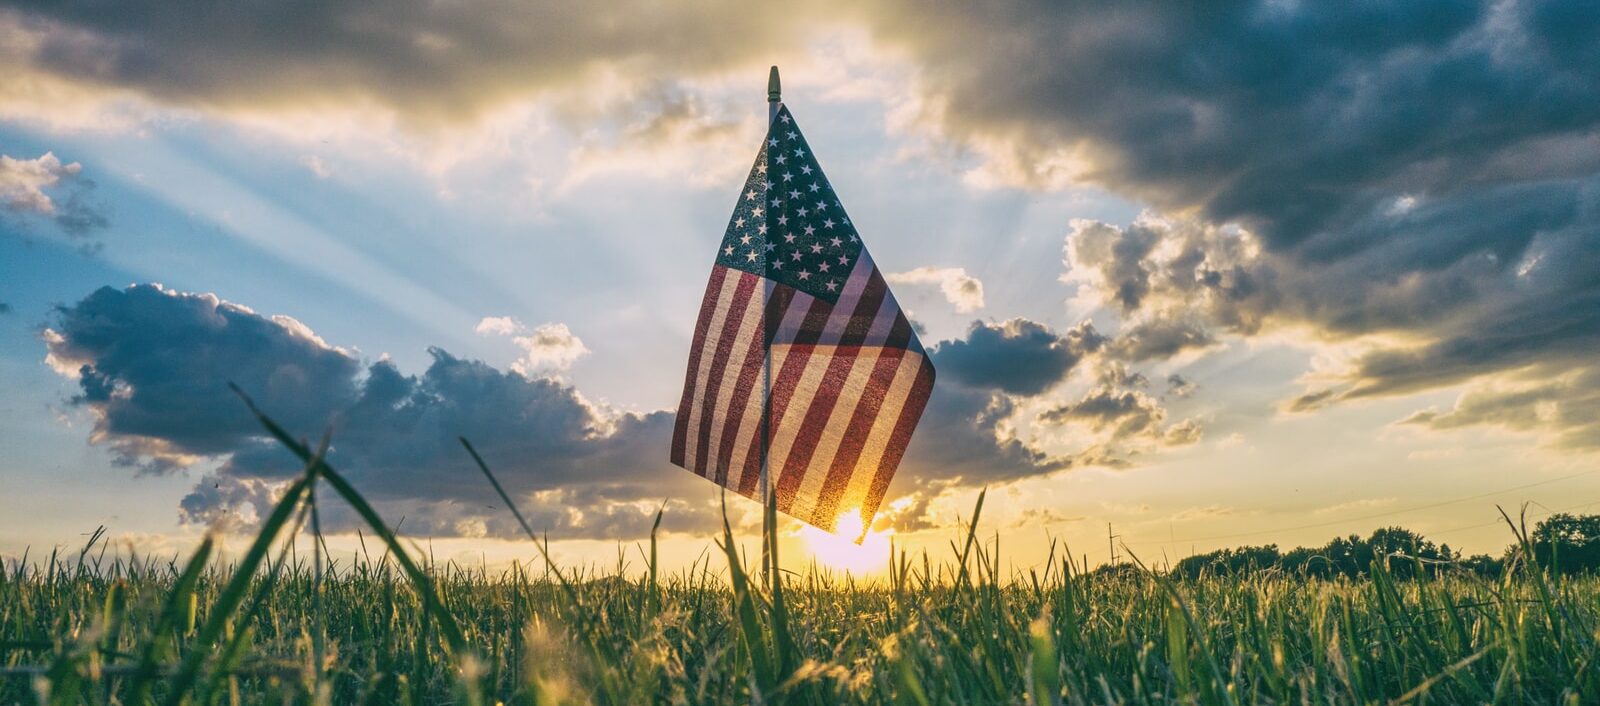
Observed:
{"x":153,"y":365}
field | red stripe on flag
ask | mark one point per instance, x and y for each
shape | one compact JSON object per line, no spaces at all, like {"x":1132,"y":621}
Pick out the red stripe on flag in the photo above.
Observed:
{"x":788,"y":377}
{"x":785,"y":384}
{"x":815,"y":322}
{"x":708,"y":304}
{"x":798,"y":465}
{"x":777,"y":306}
{"x":749,"y":484}
{"x":855,"y":435}
{"x":900,"y":335}
{"x":719,"y":364}
{"x":855,"y":330}
{"x":900,"y":438}
{"x":749,"y":383}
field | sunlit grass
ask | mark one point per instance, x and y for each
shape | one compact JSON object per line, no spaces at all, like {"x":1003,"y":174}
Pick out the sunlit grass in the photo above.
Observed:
{"x":283,"y":624}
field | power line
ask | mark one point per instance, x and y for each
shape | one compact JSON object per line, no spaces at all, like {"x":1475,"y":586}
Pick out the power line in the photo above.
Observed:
{"x":1376,"y":515}
{"x":1490,"y":523}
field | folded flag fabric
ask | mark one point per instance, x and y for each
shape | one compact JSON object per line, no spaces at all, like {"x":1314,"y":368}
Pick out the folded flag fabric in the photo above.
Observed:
{"x":848,"y":377}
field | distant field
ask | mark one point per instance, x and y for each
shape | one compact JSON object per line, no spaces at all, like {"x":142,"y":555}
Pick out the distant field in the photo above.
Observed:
{"x":931,"y":636}
{"x":276,"y":626}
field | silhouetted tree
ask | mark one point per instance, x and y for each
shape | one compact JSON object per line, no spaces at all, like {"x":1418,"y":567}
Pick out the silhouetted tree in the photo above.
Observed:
{"x":1402,"y":551}
{"x":1569,"y":544}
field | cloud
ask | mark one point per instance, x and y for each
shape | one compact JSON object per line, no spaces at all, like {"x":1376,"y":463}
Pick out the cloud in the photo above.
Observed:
{"x":1171,"y":278}
{"x":966,"y":433}
{"x":1183,"y":433}
{"x":497,"y":326}
{"x":153,"y":365}
{"x":316,"y":166}
{"x":1433,"y":182}
{"x":668,"y":129}
{"x":23,"y":181}
{"x":26,"y":186}
{"x":963,"y":291}
{"x":430,"y":60}
{"x":1125,"y":413}
{"x":989,"y":381}
{"x":1431,"y":188}
{"x":1161,"y":337}
{"x":1312,"y":401}
{"x":1202,"y":513}
{"x":1179,"y":387}
{"x":547,"y":348}
{"x":577,"y":469}
{"x":1564,"y":409}
{"x":1129,"y":418}
{"x":1016,"y":356}
{"x":1362,"y":504}
{"x":1269,"y":114}
{"x":1424,"y":324}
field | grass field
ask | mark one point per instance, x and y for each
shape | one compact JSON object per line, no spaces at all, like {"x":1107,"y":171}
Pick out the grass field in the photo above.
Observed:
{"x":274,"y":626}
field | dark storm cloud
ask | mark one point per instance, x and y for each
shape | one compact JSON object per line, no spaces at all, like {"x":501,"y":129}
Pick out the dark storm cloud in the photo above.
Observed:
{"x":960,"y":437}
{"x":1017,"y":356}
{"x":985,"y":376}
{"x":580,"y":472}
{"x":428,"y":58}
{"x":1421,"y":169}
{"x":1292,"y":118}
{"x":153,"y":367}
{"x":1398,"y":164}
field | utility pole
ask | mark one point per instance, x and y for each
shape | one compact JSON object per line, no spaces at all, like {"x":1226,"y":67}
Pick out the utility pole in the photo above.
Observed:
{"x":1111,"y":544}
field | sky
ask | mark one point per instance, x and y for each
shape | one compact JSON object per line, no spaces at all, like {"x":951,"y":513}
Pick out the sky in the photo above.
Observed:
{"x":1192,"y":276}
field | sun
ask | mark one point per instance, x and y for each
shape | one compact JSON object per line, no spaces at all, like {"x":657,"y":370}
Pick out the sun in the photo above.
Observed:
{"x":838,"y":549}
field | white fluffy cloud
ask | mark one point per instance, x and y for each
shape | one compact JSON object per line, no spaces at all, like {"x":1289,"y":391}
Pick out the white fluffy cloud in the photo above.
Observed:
{"x":547,"y":348}
{"x":962,"y":290}
{"x":23,"y":181}
{"x":497,"y":326}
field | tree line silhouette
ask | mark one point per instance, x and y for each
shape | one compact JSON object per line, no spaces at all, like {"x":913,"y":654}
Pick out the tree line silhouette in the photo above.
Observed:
{"x":1562,"y":543}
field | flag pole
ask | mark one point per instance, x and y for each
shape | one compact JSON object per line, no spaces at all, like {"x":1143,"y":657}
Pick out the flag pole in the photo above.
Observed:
{"x":774,"y":100}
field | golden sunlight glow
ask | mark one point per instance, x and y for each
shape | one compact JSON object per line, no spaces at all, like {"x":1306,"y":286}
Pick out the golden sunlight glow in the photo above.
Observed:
{"x":838,"y":549}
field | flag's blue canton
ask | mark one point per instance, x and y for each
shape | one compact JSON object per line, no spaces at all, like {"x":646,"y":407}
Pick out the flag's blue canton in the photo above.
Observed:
{"x":789,"y":225}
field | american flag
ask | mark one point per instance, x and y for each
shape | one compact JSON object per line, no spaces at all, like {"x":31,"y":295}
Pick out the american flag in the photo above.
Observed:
{"x":849,"y":379}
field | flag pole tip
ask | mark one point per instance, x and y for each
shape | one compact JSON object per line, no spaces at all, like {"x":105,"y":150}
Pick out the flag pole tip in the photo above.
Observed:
{"x":774,"y":92}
